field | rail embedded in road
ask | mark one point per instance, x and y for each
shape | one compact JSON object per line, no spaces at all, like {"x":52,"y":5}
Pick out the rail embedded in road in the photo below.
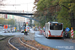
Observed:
{"x":19,"y":45}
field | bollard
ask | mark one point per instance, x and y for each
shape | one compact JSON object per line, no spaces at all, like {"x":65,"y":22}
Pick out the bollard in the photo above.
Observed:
{"x":72,"y":33}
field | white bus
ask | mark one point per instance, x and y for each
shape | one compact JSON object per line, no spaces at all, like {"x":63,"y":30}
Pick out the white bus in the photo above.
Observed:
{"x":53,"y":29}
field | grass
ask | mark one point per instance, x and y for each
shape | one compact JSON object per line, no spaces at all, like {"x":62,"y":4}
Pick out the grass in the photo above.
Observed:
{"x":69,"y":34}
{"x":37,"y":45}
{"x":4,"y":37}
{"x":74,"y":35}
{"x":4,"y":44}
{"x":1,"y":36}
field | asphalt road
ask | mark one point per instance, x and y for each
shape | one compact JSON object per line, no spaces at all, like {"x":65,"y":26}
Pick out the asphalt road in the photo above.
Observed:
{"x":54,"y":42}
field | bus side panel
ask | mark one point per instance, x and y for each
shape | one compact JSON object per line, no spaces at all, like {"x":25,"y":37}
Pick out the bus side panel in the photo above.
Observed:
{"x":46,"y":29}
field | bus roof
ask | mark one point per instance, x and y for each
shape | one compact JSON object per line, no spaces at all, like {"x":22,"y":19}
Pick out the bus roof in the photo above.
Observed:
{"x":55,"y":22}
{"x":52,"y":22}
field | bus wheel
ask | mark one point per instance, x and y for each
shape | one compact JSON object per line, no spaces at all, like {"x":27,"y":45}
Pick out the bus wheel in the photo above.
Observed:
{"x":47,"y":37}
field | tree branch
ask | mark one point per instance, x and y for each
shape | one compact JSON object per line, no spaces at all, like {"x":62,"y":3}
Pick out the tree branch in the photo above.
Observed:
{"x":65,"y":7}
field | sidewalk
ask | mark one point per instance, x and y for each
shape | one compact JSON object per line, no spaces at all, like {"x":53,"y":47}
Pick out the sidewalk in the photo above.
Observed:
{"x":30,"y":36}
{"x":70,"y":40}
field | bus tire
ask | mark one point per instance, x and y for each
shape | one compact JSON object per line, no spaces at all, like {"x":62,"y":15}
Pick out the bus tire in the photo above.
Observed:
{"x":62,"y":37}
{"x":47,"y":37}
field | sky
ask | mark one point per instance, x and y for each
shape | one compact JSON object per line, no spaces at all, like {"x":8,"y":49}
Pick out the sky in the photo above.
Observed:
{"x":26,"y":5}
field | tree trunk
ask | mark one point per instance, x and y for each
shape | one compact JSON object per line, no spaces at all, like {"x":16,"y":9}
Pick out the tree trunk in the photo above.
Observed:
{"x":72,"y":21}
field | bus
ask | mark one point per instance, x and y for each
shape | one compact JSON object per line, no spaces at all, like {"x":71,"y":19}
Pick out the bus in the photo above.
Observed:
{"x":53,"y":29}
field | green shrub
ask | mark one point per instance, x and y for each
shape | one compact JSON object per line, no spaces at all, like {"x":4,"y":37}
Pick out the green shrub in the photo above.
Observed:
{"x":74,"y":31}
{"x":74,"y":35}
{"x":69,"y":34}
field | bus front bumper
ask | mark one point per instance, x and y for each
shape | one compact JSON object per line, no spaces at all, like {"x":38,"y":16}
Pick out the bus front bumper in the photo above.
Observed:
{"x":55,"y":36}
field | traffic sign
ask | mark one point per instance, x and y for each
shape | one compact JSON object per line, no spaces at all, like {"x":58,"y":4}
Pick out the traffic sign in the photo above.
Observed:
{"x":14,"y":27}
{"x":5,"y":26}
{"x":67,"y":29}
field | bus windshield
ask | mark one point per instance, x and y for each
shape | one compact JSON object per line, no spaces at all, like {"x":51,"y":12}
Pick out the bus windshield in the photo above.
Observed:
{"x":55,"y":26}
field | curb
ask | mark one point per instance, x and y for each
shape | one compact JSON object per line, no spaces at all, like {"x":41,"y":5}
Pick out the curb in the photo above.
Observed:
{"x":69,"y":40}
{"x":12,"y":45}
{"x":28,"y":45}
{"x":2,"y":38}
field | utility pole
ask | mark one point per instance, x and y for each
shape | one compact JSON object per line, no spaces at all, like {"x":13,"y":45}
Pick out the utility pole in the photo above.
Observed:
{"x":72,"y":20}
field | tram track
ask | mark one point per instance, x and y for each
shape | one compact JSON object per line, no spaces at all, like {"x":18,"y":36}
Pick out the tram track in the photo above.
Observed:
{"x":17,"y":44}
